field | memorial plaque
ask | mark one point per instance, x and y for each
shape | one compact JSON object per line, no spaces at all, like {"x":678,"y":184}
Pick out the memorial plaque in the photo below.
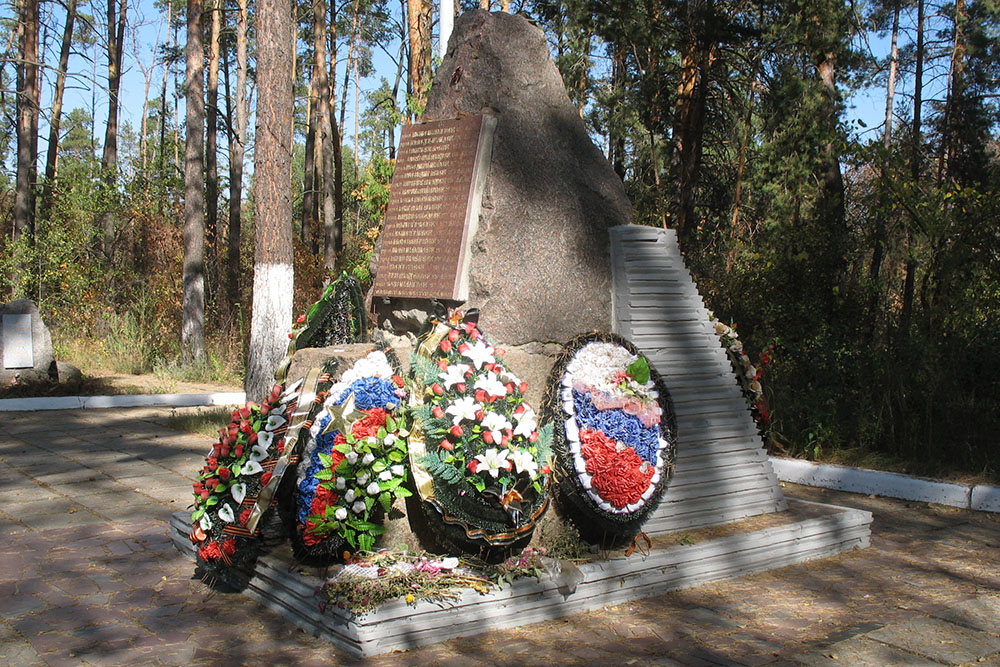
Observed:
{"x":433,"y":209}
{"x":17,"y":348}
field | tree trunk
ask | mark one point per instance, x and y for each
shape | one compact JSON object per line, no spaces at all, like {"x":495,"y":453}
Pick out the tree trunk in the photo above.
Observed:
{"x":956,"y":92}
{"x":273,"y":271}
{"x":741,"y":162}
{"x":878,"y":245}
{"x":237,"y":148}
{"x":109,"y":160}
{"x":419,"y":29}
{"x":309,"y":180}
{"x":916,"y":141}
{"x":52,"y":155}
{"x":328,"y":139}
{"x":163,"y":96}
{"x":193,"y":309}
{"x":211,"y":153}
{"x":27,"y":121}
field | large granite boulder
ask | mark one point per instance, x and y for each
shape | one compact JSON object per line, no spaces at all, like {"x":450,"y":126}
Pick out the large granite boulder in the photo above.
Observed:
{"x":540,"y":270}
{"x":42,"y":368}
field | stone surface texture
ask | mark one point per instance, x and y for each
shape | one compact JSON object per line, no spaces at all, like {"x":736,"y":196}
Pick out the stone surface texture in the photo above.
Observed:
{"x":41,"y":341}
{"x":88,"y":576}
{"x":540,"y":260}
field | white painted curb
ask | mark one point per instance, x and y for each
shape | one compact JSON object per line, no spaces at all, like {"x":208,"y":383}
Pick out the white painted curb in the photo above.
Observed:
{"x":980,"y":497}
{"x":123,"y":401}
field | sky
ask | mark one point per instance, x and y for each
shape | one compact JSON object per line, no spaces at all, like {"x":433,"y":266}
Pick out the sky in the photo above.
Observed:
{"x":866,"y":106}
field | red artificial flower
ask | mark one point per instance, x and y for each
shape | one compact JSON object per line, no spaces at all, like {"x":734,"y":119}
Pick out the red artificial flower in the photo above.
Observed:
{"x":546,"y":469}
{"x":523,"y":387}
{"x":437,"y":389}
{"x":198,"y":486}
{"x":488,"y":437}
{"x":463,"y":348}
{"x":479,"y":415}
{"x":447,"y":446}
{"x":460,"y":387}
{"x":618,"y":477}
{"x":229,"y":546}
{"x":456,"y":431}
{"x":245,"y":426}
{"x":473,"y":466}
{"x":398,"y":381}
{"x":453,"y":335}
{"x":443,"y":364}
{"x":224,"y":473}
{"x":280,"y":447}
{"x":291,"y":334}
{"x":509,"y":387}
{"x":301,"y":318}
{"x":265,"y":478}
{"x":210,"y":551}
{"x":238,"y":452}
{"x":505,"y":441}
{"x":252,"y":438}
{"x":213,"y":463}
{"x":446,"y":345}
{"x":533,"y":437}
{"x":438,"y":412}
{"x":480,"y":396}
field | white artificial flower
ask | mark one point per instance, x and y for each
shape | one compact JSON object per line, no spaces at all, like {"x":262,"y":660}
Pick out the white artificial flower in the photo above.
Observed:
{"x":341,"y":483}
{"x":368,"y":458}
{"x":373,"y":489}
{"x":397,"y":470}
{"x":352,"y":457}
{"x":524,"y":462}
{"x":251,"y":468}
{"x":493,"y":460}
{"x":258,"y":452}
{"x":273,"y":422}
{"x":374,"y":365}
{"x":341,"y":513}
{"x":480,"y":353}
{"x":507,"y":376}
{"x":350,"y":495}
{"x":358,"y":507}
{"x":385,"y":475}
{"x":526,"y":422}
{"x":495,"y":423}
{"x":205,"y":523}
{"x":596,"y":364}
{"x":463,"y":408}
{"x":238,"y":491}
{"x":455,"y":374}
{"x":363,"y":478}
{"x":264,"y":439}
{"x":226,"y":513}
{"x":491,"y":384}
{"x":449,"y":563}
{"x":389,"y":440}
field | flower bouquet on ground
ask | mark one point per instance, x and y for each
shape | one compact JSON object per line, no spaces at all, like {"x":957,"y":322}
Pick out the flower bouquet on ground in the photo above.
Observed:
{"x":227,"y":492}
{"x":481,"y":464}
{"x":614,"y":435}
{"x":355,"y":465}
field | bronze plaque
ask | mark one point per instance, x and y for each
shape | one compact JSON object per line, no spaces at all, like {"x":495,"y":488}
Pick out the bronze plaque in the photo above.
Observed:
{"x":433,"y":208}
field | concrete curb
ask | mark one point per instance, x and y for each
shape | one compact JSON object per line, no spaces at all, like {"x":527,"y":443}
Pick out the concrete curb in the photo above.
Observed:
{"x":979,"y":497}
{"x":123,"y":401}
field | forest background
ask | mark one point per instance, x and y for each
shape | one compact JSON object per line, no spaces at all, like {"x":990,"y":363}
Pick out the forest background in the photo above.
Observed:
{"x":858,"y":251}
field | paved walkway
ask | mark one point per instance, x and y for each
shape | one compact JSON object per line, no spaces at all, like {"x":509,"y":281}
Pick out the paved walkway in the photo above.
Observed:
{"x":88,"y":575}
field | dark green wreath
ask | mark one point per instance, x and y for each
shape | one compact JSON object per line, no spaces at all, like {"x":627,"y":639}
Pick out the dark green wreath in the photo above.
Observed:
{"x":595,"y":524}
{"x":459,"y":518}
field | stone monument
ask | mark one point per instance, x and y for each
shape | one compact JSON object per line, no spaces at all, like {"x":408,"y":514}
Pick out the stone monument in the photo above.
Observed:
{"x":25,"y":344}
{"x":538,"y":265}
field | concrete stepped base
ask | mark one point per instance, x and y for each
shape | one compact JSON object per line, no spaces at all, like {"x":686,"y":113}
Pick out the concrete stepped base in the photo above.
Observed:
{"x":806,"y":531}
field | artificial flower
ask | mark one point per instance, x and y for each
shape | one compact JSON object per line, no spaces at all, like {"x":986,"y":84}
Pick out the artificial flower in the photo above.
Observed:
{"x":493,"y":460}
{"x":495,"y":423}
{"x":492,"y":385}
{"x":463,"y":408}
{"x":479,"y":354}
{"x":524,"y":462}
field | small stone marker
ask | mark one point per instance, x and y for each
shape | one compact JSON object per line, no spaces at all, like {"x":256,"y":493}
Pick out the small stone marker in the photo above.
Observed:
{"x":17,"y":350}
{"x":433,"y":208}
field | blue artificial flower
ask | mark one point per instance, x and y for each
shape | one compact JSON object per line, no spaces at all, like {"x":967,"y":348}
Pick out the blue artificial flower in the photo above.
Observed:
{"x":617,"y":425}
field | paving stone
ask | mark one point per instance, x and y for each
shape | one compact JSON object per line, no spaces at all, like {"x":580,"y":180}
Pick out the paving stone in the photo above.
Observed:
{"x":939,"y":640}
{"x":863,"y":652}
{"x":979,"y":614}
